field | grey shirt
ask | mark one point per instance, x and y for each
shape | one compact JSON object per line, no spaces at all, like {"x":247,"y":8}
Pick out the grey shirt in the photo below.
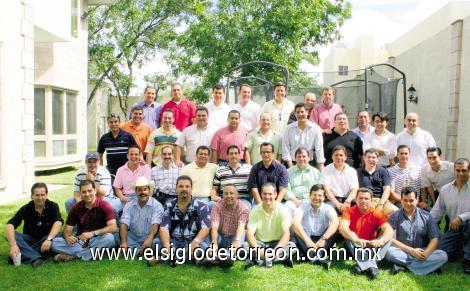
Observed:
{"x":453,"y":201}
{"x":415,"y":233}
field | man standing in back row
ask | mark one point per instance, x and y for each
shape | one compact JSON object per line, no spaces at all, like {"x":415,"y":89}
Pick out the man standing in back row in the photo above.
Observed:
{"x":279,"y":108}
{"x":323,"y":114}
{"x":183,"y":109}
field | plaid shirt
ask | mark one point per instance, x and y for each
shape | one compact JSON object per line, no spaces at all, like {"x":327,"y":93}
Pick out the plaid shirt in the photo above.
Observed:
{"x":229,"y":218}
{"x":165,"y":179}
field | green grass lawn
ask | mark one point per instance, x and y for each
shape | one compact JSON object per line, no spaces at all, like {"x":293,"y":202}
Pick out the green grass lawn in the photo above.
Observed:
{"x":136,"y":275}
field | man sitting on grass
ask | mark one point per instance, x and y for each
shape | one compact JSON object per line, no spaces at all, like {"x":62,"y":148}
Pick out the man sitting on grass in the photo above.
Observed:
{"x":229,"y":217}
{"x":186,"y":222}
{"x":359,"y":226}
{"x":268,"y":230}
{"x":141,"y":218}
{"x":315,"y":225}
{"x":416,"y":240}
{"x":95,"y":224}
{"x":42,"y":222}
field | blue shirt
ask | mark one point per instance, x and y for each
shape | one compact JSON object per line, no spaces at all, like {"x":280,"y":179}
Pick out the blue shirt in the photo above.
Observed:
{"x":375,"y":181}
{"x":415,"y":233}
{"x":139,"y":220}
{"x":151,"y":113}
{"x":276,"y":173}
{"x":185,"y":226}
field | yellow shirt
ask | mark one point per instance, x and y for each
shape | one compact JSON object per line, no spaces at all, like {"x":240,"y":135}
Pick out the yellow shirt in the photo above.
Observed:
{"x":269,"y":226}
{"x":202,"y":178}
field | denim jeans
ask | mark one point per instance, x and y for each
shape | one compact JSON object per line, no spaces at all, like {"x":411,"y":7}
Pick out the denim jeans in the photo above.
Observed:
{"x":418,"y":267}
{"x":30,"y":247}
{"x":60,"y":245}
{"x":454,"y":243}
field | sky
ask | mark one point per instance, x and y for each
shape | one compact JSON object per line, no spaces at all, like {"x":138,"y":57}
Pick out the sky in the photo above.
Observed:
{"x":385,"y":19}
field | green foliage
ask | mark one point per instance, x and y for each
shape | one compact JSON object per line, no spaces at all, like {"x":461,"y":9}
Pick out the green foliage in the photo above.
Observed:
{"x":232,"y":32}
{"x":127,"y":34}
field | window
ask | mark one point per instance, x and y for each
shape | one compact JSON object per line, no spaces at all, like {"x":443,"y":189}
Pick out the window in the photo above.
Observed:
{"x":343,"y":70}
{"x":57,"y":112}
{"x":55,"y":128}
{"x":39,"y":111}
{"x":74,"y":19}
{"x":71,"y":113}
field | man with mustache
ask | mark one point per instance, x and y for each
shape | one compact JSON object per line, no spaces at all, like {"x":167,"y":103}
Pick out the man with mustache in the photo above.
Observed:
{"x":165,"y":176}
{"x":141,"y":218}
{"x":186,"y":221}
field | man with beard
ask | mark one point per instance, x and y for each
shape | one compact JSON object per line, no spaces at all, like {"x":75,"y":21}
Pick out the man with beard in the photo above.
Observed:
{"x":186,"y":221}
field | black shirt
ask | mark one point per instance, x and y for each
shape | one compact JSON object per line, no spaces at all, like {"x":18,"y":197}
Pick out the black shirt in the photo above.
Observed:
{"x":35,"y":224}
{"x":375,"y":181}
{"x":116,"y":149}
{"x":350,"y":140}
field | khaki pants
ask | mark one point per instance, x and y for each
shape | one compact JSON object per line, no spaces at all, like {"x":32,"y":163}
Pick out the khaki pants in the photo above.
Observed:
{"x":388,"y":207}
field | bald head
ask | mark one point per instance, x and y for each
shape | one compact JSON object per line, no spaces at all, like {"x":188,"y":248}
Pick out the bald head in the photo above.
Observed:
{"x":411,"y":122}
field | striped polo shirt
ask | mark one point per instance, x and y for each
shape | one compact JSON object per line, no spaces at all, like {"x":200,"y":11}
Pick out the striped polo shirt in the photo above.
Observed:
{"x":116,"y":149}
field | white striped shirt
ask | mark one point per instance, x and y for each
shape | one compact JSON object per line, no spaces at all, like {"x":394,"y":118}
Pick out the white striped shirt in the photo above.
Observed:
{"x":410,"y":176}
{"x":102,"y":180}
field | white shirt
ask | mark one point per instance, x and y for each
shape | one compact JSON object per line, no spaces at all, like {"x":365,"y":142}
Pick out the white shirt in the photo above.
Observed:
{"x":340,"y":183}
{"x":310,"y":137}
{"x":192,"y":137}
{"x":437,"y":180}
{"x":418,"y":143}
{"x":386,"y":142}
{"x":363,"y":134}
{"x":217,"y":114}
{"x":249,"y":115}
{"x":279,"y":114}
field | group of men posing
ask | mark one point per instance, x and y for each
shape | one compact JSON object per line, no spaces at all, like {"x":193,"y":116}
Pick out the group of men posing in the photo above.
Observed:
{"x":268,"y":177}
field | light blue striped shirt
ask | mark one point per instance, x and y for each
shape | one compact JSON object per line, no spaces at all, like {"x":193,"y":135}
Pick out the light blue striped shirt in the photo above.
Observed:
{"x":139,"y":220}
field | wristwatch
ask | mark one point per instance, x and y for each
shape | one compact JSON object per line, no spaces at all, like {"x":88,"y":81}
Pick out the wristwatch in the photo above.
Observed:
{"x":49,"y":238}
{"x":96,"y":233}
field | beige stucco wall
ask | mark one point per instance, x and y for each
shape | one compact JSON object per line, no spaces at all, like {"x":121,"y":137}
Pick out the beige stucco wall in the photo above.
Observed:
{"x":16,"y":99}
{"x":426,"y":66}
{"x":463,"y":141}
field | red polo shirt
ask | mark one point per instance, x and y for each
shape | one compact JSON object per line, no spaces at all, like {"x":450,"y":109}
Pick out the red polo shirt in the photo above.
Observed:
{"x":90,"y":219}
{"x":365,"y":225}
{"x":184,"y":112}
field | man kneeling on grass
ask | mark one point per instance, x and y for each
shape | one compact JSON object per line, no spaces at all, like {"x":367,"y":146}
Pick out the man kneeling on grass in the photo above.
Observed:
{"x":268,"y":232}
{"x":315,"y":226}
{"x":42,"y":222}
{"x":141,"y":218}
{"x":95,"y":224}
{"x":359,"y":226}
{"x":417,"y":238}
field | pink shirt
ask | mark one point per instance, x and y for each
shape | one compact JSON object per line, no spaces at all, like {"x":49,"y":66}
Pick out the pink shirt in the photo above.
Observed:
{"x":125,"y":178}
{"x":184,"y":112}
{"x":324,"y":116}
{"x":223,"y":138}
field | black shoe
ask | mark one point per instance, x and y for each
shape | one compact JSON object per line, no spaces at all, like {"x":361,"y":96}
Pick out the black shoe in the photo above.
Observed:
{"x":38,"y":262}
{"x":356,"y":270}
{"x":397,"y":269}
{"x":373,"y":273}
{"x":325,"y":264}
{"x":289,"y":263}
{"x":225,"y":264}
{"x":466,"y":267}
{"x":249,"y":264}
